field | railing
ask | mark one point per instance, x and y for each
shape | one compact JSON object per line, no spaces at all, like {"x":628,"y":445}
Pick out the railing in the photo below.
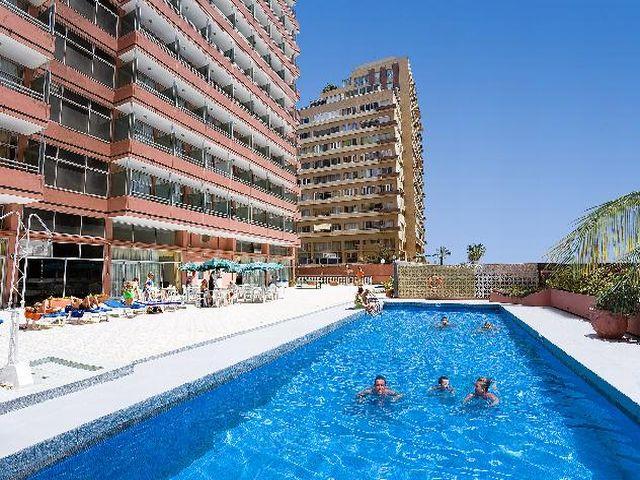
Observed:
{"x":24,"y":14}
{"x":99,"y":15}
{"x":334,"y":279}
{"x":17,"y":165}
{"x":15,"y":83}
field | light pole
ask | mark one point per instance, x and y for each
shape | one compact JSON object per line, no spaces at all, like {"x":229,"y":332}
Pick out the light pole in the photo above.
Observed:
{"x":15,"y":372}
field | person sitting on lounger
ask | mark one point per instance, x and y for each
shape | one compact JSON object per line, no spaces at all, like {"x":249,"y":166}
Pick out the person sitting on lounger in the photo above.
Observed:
{"x":150,"y":290}
{"x":379,"y":389}
{"x":128,"y":295}
{"x":481,"y":392}
{"x":359,"y":301}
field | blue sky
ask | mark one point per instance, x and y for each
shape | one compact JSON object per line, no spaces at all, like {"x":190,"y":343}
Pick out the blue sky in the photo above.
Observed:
{"x":531,"y":109}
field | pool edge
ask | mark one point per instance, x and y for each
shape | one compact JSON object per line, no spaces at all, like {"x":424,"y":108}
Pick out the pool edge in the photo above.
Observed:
{"x":34,"y":458}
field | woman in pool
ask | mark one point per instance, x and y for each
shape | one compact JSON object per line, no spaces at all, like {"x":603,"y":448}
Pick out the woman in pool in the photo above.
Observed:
{"x":481,"y":391}
{"x":443,"y":385}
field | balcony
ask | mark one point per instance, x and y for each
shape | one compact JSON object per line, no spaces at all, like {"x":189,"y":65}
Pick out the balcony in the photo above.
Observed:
{"x":199,"y":56}
{"x":205,"y":88}
{"x":191,"y":204}
{"x":24,"y":38}
{"x":22,"y":108}
{"x":169,"y":146}
{"x":20,"y":169}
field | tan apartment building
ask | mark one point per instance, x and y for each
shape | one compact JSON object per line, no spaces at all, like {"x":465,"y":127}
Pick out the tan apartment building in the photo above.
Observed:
{"x":361,"y":173}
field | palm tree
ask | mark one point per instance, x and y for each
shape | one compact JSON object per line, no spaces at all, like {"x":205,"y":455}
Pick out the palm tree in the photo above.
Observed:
{"x":441,"y":253}
{"x":475,"y":252}
{"x":608,"y":232}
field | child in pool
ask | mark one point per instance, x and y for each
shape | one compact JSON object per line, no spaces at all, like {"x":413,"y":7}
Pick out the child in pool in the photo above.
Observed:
{"x":481,"y":391}
{"x":444,"y":322}
{"x":443,"y":385}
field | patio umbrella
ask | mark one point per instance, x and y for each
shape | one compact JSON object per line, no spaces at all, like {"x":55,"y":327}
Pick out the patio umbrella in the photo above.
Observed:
{"x":218,"y":264}
{"x":189,"y":267}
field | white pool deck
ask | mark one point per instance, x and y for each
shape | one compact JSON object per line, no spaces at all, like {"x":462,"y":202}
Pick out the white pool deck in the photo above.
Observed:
{"x":615,"y":362}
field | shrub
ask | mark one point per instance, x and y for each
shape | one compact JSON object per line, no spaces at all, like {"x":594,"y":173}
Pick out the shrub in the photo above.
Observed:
{"x":388,"y":285}
{"x":517,"y":291}
{"x":621,"y":298}
{"x":598,"y":280}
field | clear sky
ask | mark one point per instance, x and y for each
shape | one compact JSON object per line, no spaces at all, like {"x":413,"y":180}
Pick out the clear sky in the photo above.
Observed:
{"x":531,"y":108}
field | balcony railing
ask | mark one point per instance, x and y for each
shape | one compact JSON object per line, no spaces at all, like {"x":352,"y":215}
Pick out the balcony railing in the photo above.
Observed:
{"x":45,"y":20}
{"x":132,"y":183}
{"x":128,"y":127}
{"x":15,"y":83}
{"x":29,"y":161}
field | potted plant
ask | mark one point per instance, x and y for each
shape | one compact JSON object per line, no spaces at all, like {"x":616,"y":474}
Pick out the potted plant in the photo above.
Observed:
{"x":614,"y":305}
{"x":388,"y":287}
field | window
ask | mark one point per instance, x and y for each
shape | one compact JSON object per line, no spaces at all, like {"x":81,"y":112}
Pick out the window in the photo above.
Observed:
{"x":101,"y":14}
{"x":75,"y":172}
{"x":84,"y":115}
{"x":66,"y":223}
{"x":80,"y":54}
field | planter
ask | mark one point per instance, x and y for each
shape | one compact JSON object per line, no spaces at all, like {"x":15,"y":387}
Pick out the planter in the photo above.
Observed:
{"x":537,"y":299}
{"x":575,"y":303}
{"x":500,"y":298}
{"x":633,"y":326}
{"x":389,"y":293}
{"x":609,"y":325}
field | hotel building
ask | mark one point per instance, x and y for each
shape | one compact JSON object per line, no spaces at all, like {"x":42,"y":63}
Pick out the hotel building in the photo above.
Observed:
{"x":361,"y":172}
{"x":144,"y":134}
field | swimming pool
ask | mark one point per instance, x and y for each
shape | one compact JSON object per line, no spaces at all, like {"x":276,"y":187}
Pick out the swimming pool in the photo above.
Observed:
{"x":297,"y":418}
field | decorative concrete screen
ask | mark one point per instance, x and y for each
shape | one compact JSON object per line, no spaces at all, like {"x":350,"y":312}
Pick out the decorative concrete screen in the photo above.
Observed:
{"x":419,"y":280}
{"x":493,"y":276}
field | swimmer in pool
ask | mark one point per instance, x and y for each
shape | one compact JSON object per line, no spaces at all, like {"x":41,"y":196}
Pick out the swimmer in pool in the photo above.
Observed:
{"x":481,"y":391}
{"x":443,"y":385}
{"x":444,"y":322}
{"x":379,"y":389}
{"x":488,"y":326}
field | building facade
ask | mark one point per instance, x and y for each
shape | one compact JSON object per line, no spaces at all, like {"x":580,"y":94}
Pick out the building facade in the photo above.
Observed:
{"x":144,"y":134}
{"x":361,"y":169}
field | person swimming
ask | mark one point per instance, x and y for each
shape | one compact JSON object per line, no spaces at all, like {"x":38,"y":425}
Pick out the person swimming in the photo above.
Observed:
{"x":379,"y":389}
{"x":481,"y":391}
{"x":444,"y":322}
{"x":444,"y":385}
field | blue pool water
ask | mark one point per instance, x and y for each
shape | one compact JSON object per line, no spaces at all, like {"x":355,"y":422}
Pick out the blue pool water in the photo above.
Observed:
{"x":297,"y":418}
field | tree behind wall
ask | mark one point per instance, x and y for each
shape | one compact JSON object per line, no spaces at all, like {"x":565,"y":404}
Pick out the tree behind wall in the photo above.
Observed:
{"x":475,"y":252}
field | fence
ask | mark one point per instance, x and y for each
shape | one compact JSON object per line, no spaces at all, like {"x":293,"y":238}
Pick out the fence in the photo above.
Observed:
{"x":417,"y":280}
{"x":336,"y":279}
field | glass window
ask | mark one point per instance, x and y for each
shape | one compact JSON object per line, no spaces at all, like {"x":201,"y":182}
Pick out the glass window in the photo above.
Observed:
{"x":70,"y":177}
{"x":67,"y":223}
{"x":91,"y":251}
{"x":93,"y":227}
{"x":122,"y":232}
{"x":45,"y":215}
{"x":66,"y":250}
{"x":144,"y":234}
{"x":166,"y":237}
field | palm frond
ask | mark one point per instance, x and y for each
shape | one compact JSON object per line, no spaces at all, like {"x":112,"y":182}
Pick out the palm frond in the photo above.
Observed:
{"x":608,"y":232}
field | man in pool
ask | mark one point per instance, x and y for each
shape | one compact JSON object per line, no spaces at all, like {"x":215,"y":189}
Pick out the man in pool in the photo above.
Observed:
{"x":379,"y":389}
{"x":444,"y":322}
{"x":488,"y":326}
{"x":443,"y":385}
{"x":481,"y":391}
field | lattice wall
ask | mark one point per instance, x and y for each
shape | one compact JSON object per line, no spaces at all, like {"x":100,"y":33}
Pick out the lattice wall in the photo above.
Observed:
{"x":435,"y":281}
{"x":418,"y":280}
{"x":492,"y":276}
